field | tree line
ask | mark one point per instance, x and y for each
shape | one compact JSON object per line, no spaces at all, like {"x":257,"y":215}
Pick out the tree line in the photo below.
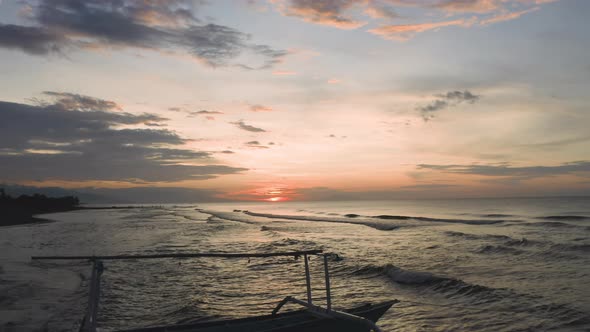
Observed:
{"x":36,"y":203}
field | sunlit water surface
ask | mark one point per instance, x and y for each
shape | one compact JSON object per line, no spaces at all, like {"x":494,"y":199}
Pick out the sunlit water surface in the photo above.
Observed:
{"x":470,"y":265}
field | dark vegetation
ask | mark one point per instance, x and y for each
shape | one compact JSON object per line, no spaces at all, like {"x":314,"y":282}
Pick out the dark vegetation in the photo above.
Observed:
{"x":21,"y":209}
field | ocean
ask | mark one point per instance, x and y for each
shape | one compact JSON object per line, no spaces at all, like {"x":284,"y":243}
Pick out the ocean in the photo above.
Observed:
{"x":514,"y":264}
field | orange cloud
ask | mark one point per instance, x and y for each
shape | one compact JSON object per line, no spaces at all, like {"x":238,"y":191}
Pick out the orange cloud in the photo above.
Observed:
{"x":472,"y":6}
{"x":536,"y":2}
{"x":334,"y":81}
{"x":343,"y":13}
{"x":407,"y":31}
{"x":378,"y":10}
{"x":325,"y":12}
{"x":260,"y":108}
{"x":485,"y":6}
{"x":507,"y":16}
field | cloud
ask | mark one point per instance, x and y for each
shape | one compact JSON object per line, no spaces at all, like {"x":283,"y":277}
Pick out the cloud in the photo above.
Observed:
{"x":260,"y":108}
{"x":333,"y":194}
{"x":378,"y":10}
{"x":80,"y":138}
{"x":506,"y":170}
{"x":324,"y":12}
{"x":507,"y":16}
{"x":470,"y":12}
{"x":66,"y":100}
{"x":408,"y":31}
{"x":334,"y":81}
{"x":255,"y":144}
{"x":150,"y":24}
{"x":469,"y":6}
{"x":449,"y":99}
{"x":240,"y":124}
{"x":429,"y":14}
{"x":460,"y":96}
{"x":206,"y":112}
{"x":32,"y":40}
{"x":209,"y":115}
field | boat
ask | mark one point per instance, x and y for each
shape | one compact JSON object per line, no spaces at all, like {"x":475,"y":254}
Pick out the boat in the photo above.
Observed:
{"x":311,"y":318}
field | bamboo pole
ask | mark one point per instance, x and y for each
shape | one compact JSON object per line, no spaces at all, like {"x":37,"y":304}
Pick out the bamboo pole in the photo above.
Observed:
{"x":90,"y":323}
{"x":327,"y":276}
{"x":307,"y":280}
{"x":185,"y":255}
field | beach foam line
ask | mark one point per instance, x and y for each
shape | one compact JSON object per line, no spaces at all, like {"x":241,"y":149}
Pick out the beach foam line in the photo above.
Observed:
{"x":456,"y":221}
{"x":365,"y":222}
{"x":230,"y":216}
{"x":497,"y":215}
{"x":353,"y":218}
{"x":564,"y":217}
{"x":379,"y":222}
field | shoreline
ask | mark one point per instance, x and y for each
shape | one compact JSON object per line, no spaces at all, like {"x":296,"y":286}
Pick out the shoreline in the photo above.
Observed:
{"x":22,"y":220}
{"x":17,"y":219}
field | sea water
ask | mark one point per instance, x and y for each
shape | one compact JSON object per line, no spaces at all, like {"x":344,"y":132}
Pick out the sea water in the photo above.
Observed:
{"x":515,"y":264}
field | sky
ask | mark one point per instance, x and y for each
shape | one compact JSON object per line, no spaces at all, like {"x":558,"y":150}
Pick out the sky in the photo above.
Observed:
{"x":274,"y":100}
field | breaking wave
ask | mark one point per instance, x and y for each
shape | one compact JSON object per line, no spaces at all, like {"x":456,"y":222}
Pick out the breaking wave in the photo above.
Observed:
{"x":552,"y":224}
{"x":287,"y":244}
{"x":564,"y":217}
{"x":497,"y":215}
{"x":380,"y":222}
{"x":477,"y":236}
{"x":511,"y":246}
{"x":491,"y":249}
{"x":449,"y":286}
{"x":456,"y":221}
{"x":571,"y":247}
{"x":508,"y":300}
{"x":231,"y":216}
{"x":347,"y":220}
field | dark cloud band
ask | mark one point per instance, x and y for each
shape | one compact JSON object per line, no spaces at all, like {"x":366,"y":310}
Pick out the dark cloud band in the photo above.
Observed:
{"x":80,"y":138}
{"x":242,"y":125}
{"x":446,"y":100}
{"x":155,"y":25}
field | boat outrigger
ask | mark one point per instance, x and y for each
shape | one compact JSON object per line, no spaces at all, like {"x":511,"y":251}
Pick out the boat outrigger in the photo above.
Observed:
{"x":311,"y":318}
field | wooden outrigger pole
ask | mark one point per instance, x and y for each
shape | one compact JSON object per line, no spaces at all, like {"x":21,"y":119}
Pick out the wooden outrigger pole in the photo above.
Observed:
{"x":185,"y":255}
{"x":89,"y":324}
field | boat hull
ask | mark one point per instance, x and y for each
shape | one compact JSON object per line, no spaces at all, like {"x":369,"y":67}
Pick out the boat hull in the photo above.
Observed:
{"x":301,"y":320}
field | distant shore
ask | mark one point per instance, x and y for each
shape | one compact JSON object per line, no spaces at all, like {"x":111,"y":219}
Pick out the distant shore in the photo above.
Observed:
{"x":12,"y":218}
